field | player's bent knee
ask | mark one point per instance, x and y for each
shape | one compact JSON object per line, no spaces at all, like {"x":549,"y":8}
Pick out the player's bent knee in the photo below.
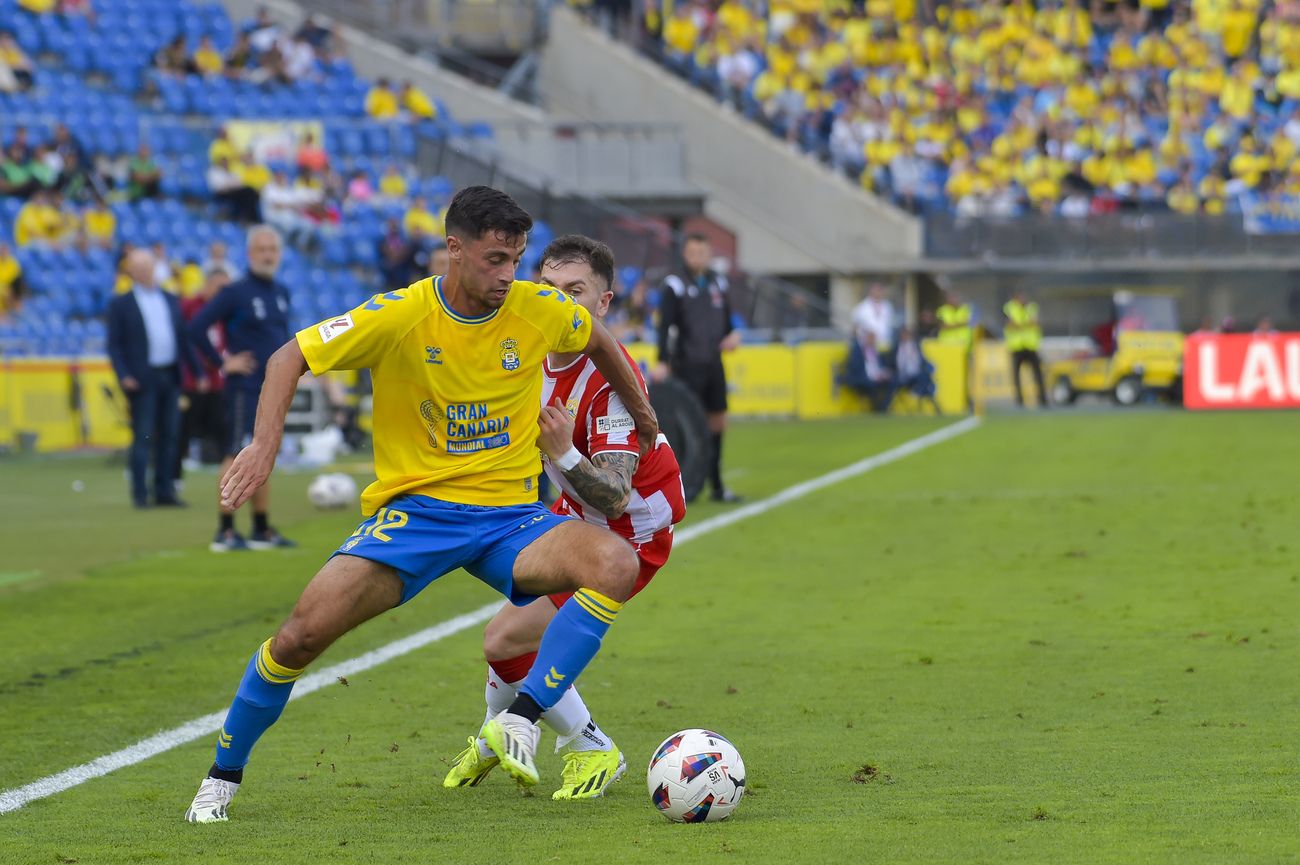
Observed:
{"x":501,"y":642}
{"x":615,"y":569}
{"x":298,"y":643}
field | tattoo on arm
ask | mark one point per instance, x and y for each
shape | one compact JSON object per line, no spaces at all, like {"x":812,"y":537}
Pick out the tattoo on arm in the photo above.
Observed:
{"x":605,"y":481}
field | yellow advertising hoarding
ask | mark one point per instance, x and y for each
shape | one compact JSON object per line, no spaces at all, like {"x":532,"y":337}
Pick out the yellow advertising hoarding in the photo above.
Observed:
{"x":40,"y":408}
{"x":56,"y":404}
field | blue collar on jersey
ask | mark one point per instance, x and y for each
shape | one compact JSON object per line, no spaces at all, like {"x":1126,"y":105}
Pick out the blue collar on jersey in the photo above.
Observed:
{"x":456,"y":316}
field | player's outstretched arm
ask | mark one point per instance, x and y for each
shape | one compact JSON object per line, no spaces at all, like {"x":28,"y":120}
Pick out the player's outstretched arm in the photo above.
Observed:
{"x":613,"y":365}
{"x":604,"y":481}
{"x":253,"y":465}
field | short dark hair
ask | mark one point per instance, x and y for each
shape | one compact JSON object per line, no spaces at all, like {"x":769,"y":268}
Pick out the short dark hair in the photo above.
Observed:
{"x":578,"y":247}
{"x":479,"y":209}
{"x":697,"y":237}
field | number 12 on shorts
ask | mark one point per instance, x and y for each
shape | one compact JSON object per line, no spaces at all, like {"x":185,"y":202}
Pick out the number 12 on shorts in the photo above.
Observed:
{"x":384,"y":520}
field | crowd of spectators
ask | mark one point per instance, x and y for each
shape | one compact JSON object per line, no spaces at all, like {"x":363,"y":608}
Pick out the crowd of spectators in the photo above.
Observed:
{"x":262,"y":51}
{"x":64,"y":192}
{"x":1011,"y":106}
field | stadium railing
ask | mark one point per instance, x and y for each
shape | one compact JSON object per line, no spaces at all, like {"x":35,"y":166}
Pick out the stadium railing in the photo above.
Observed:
{"x":1105,"y":236}
{"x":491,"y":27}
{"x":599,"y":158}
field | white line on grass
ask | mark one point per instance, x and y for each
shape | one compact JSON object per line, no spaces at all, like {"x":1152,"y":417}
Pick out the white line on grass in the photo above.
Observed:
{"x":12,"y":800}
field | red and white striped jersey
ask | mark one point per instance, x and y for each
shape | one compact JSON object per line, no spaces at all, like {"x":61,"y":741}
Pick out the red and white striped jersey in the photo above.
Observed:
{"x":603,"y":425}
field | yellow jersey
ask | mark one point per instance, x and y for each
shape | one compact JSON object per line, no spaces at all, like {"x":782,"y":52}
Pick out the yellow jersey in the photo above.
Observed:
{"x":455,"y":397}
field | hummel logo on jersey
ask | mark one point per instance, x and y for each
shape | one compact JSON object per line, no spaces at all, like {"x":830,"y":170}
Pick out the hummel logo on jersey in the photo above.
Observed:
{"x":435,"y":354}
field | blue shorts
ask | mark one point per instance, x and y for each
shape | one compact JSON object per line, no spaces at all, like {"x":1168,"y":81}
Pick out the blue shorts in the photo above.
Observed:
{"x":424,"y":538}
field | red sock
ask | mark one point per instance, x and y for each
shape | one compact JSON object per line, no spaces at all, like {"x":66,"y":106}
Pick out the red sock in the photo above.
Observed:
{"x":515,"y":669}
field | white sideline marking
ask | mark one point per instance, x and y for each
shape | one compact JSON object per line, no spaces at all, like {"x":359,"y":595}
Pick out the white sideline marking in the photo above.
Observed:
{"x":798,"y":491}
{"x":12,"y":800}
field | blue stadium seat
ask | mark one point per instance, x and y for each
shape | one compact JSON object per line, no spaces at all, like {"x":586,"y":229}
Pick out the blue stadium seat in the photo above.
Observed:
{"x":364,"y":253}
{"x":540,"y":236}
{"x":379,"y":141}
{"x":336,"y":252}
{"x":404,"y":142}
{"x":438,"y":191}
{"x":629,"y":276}
{"x":351,"y":144}
{"x":173,"y":94}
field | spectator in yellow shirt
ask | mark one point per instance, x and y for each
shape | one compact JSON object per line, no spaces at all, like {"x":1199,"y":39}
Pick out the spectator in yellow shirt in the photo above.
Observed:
{"x":251,"y":172}
{"x":392,"y":185}
{"x":419,"y":224}
{"x":1238,"y":95}
{"x":1248,"y":165}
{"x":12,"y":287}
{"x":381,"y":101}
{"x":1213,"y":189}
{"x":39,"y":222}
{"x":1238,"y":29}
{"x":681,"y":35}
{"x":207,"y":59}
{"x":222,"y":148}
{"x":416,"y":102}
{"x":191,"y":279}
{"x":123,"y":282}
{"x":100,"y":224}
{"x":38,"y":7}
{"x":1182,"y":197}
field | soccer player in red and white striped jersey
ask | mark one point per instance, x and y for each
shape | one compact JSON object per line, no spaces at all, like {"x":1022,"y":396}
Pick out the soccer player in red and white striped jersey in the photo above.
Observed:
{"x":592,"y":455}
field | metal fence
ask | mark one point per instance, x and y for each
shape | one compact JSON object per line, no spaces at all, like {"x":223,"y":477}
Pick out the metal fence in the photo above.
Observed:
{"x":1109,"y":236}
{"x":600,"y":158}
{"x":491,"y":27}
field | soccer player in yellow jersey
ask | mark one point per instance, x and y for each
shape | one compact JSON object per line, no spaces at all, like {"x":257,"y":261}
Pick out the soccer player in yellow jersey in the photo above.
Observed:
{"x":456,"y":363}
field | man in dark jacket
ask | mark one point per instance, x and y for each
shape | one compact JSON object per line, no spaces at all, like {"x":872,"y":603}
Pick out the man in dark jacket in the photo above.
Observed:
{"x":255,"y":313}
{"x":147,"y":343}
{"x":694,"y":330}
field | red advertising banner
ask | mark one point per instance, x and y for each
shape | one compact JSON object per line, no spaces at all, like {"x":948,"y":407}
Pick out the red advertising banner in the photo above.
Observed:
{"x":1234,"y":371}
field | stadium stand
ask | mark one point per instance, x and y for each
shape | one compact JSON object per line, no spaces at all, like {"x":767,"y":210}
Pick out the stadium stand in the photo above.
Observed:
{"x":122,"y":140}
{"x":1011,"y":107}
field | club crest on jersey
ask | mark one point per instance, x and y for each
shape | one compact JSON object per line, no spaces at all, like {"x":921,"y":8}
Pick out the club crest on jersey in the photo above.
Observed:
{"x":572,"y":406}
{"x":577,"y":320}
{"x":510,"y":355}
{"x":434,"y":354}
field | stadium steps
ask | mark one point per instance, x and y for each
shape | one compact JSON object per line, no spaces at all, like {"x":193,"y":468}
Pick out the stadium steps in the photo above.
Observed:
{"x":791,"y":213}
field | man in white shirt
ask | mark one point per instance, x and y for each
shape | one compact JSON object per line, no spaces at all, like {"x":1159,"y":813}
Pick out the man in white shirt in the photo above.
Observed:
{"x":282,"y":207}
{"x":146,"y":345}
{"x":875,"y":316}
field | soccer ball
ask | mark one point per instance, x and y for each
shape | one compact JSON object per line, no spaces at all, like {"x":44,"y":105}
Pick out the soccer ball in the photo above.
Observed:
{"x":696,"y":776}
{"x":332,"y":490}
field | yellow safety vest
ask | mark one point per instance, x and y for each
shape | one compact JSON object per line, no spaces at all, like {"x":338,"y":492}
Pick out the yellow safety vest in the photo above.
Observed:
{"x":1022,"y":332}
{"x":955,"y":315}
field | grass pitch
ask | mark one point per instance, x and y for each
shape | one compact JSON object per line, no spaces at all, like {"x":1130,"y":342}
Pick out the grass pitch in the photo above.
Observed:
{"x":1058,"y":638}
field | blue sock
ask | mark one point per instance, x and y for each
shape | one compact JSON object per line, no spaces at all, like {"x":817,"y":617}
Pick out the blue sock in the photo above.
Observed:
{"x":570,"y":642}
{"x":262,"y":695}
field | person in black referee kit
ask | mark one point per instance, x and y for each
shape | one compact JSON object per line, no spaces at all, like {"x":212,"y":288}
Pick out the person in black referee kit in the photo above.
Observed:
{"x":255,"y":313}
{"x":694,"y":330}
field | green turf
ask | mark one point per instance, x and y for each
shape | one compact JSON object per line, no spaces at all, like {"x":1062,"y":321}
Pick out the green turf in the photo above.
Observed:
{"x":1062,"y":638}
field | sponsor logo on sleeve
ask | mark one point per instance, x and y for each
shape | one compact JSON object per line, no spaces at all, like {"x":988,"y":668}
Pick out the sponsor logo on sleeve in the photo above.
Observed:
{"x":607,"y":424}
{"x":335,"y":327}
